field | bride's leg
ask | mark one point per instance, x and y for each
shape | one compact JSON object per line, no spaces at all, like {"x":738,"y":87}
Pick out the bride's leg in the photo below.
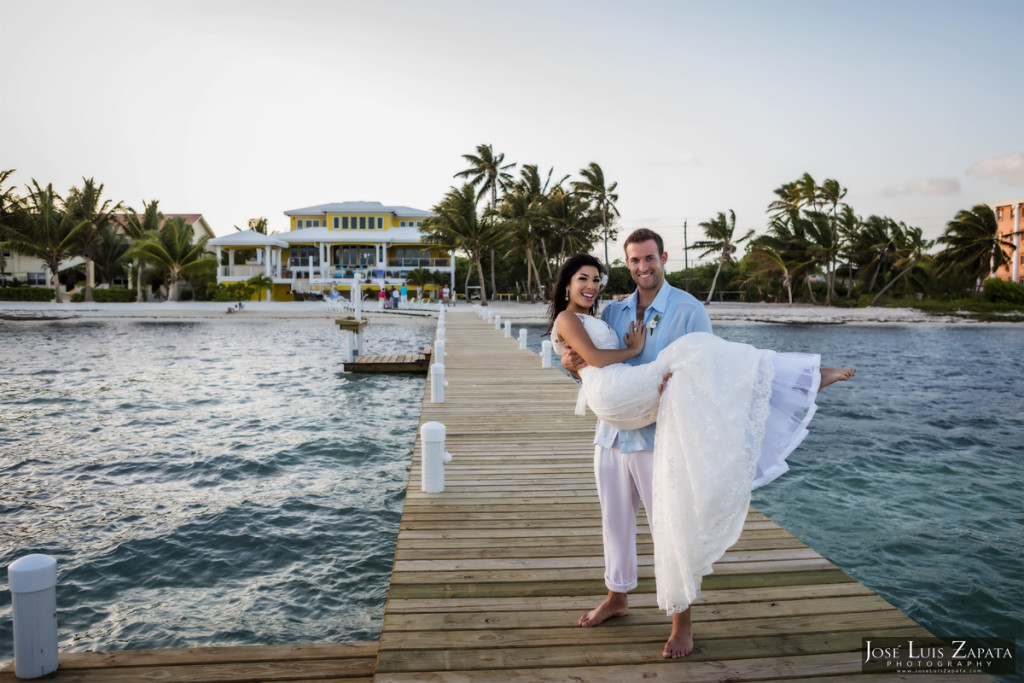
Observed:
{"x":680,"y":642}
{"x":832,"y":375}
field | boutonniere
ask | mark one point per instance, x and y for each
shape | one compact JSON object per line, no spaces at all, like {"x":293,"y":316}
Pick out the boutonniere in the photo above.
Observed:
{"x":652,"y":323}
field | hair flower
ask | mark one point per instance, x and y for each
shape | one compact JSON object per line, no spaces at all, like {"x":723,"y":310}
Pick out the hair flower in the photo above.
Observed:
{"x":604,"y":280}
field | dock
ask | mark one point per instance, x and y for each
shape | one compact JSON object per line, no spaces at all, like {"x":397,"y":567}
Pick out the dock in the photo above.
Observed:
{"x":398,"y":362}
{"x":491,"y":575}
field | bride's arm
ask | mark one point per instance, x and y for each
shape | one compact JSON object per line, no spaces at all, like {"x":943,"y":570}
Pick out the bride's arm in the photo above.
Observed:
{"x":571,"y":330}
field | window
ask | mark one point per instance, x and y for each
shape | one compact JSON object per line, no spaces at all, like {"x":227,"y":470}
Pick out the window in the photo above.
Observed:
{"x":380,"y":222}
{"x":37,"y":278}
{"x":402,"y":224}
{"x":344,"y":222}
{"x":337,"y":222}
{"x":357,"y":255}
{"x":362,"y":222}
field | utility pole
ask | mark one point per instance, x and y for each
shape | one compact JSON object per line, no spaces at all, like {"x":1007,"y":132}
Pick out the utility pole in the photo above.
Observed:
{"x":686,"y":249}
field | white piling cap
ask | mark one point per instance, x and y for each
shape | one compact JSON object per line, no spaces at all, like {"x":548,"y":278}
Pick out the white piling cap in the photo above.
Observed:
{"x":32,"y":573}
{"x":432,"y":431}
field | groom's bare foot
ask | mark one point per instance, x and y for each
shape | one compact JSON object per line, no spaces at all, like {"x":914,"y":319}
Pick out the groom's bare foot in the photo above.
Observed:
{"x":833,"y":375}
{"x":615,"y":605}
{"x":680,"y":643}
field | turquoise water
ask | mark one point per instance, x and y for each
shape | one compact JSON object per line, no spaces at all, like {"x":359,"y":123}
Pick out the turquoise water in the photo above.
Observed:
{"x":224,"y":483}
{"x":204,"y":483}
{"x":912,"y":478}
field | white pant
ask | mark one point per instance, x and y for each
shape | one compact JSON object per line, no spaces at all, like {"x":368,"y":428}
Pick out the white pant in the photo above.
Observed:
{"x":623,"y":480}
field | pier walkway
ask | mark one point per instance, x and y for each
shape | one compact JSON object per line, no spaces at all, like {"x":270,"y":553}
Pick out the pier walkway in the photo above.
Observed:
{"x":491,"y":575}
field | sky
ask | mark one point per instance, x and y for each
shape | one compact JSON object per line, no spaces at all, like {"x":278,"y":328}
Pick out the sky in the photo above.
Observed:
{"x":244,"y":109}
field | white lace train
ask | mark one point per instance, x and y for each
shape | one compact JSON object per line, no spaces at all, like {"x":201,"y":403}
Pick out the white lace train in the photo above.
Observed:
{"x":727,"y":421}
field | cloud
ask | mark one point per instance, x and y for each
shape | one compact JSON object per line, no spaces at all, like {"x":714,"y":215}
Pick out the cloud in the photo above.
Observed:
{"x":1008,"y":168}
{"x":927,"y":186}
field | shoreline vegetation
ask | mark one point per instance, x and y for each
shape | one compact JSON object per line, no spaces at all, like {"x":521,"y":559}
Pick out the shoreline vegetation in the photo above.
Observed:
{"x":517,"y":312}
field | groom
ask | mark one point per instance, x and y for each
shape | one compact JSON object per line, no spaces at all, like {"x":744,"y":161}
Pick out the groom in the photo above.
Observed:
{"x":623,"y":460}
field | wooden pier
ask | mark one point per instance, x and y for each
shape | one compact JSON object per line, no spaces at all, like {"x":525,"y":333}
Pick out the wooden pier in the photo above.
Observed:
{"x":491,"y":575}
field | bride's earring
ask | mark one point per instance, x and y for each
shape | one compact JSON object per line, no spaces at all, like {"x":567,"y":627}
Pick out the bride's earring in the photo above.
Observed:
{"x":567,"y":295}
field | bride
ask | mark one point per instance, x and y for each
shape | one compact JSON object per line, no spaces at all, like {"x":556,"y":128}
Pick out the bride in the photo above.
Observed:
{"x":728,"y":416}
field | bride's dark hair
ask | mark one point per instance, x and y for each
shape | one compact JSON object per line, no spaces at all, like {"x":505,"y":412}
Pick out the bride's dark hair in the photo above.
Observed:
{"x":560,"y":292}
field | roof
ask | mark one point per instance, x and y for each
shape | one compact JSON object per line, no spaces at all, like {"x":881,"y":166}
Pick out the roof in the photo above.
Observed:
{"x":196,"y":220}
{"x":359,"y":207}
{"x":402,"y":235}
{"x":248,"y":238}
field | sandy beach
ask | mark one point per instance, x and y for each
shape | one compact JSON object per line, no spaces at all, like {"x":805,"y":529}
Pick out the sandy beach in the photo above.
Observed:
{"x":721,"y":313}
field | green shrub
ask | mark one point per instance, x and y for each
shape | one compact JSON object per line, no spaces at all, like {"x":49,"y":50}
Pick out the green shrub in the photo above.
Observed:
{"x":26,"y":294}
{"x":1003,"y":291}
{"x":107,"y":295}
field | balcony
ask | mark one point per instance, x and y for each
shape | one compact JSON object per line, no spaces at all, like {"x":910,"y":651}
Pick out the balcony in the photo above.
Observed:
{"x":419,"y":263}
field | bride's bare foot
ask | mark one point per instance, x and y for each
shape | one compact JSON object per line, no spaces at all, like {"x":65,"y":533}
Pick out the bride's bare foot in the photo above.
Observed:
{"x":615,"y":605}
{"x":680,"y":643}
{"x":833,"y":375}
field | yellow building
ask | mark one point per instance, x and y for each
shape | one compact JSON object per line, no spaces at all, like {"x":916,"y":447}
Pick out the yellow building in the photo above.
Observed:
{"x":331,"y":246}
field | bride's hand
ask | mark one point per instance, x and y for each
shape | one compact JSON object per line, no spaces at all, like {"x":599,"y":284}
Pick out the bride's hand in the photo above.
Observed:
{"x":636,"y":337}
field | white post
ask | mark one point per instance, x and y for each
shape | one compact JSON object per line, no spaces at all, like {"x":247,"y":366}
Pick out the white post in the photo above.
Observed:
{"x":522,"y":338}
{"x":490,"y":316}
{"x":439,"y":352}
{"x":545,"y":353}
{"x":433,"y":457}
{"x":497,"y":322}
{"x":355,"y":292}
{"x":353,"y":345}
{"x":33,"y":581}
{"x":437,"y":383}
{"x":508,"y":329}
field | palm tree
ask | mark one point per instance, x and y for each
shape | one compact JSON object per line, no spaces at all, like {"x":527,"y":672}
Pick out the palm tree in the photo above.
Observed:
{"x":260,"y":283}
{"x":109,"y":259}
{"x":573,"y":222}
{"x":487,"y":170}
{"x":97,"y":213}
{"x":457,"y":226}
{"x":974,"y":245}
{"x":172,"y":250}
{"x":593,"y":188}
{"x":720,"y":232}
{"x":48,"y":231}
{"x":788,"y":237}
{"x":767,"y":260}
{"x":911,"y":252}
{"x":11,"y":211}
{"x":870,"y":250}
{"x":136,"y":228}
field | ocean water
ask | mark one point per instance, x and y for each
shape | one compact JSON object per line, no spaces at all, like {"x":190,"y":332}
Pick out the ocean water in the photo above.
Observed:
{"x":222,"y":482}
{"x":204,"y":483}
{"x":912,"y":477}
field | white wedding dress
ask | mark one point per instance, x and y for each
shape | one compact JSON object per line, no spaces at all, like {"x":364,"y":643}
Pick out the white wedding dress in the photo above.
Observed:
{"x":727,"y":421}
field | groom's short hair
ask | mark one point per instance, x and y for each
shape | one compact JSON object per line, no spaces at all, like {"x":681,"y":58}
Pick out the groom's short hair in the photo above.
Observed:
{"x":642,"y":235}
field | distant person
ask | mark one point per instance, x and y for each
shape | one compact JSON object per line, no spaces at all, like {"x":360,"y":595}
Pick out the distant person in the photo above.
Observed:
{"x":404,"y":294}
{"x":445,"y":294}
{"x":381,"y":297}
{"x":394,"y":298}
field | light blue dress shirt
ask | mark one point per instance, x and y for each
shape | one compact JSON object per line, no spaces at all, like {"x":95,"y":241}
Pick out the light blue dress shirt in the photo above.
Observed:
{"x":678,"y":313}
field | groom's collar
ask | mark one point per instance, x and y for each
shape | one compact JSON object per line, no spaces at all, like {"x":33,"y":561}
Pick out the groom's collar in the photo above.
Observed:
{"x":659,"y":304}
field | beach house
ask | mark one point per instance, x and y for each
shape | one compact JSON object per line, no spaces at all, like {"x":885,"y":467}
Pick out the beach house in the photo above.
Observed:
{"x":1009,"y":225}
{"x":334,"y":247}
